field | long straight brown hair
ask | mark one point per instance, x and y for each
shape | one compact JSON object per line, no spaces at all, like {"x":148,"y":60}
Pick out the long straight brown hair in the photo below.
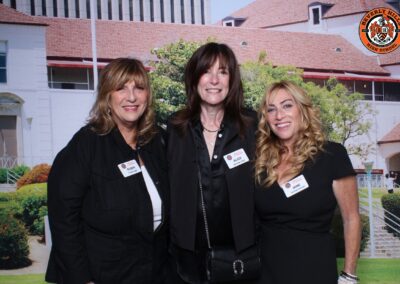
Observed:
{"x":202,"y":60}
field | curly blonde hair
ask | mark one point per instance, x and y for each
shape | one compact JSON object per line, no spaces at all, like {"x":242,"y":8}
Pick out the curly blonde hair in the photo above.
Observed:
{"x":114,"y":76}
{"x":269,"y":148}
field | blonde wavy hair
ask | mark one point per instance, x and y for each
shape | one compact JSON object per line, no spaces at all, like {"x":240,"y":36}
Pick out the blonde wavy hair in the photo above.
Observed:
{"x":114,"y":76}
{"x":269,"y":148}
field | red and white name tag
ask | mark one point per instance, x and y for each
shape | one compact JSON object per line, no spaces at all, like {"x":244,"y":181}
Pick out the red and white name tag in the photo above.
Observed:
{"x":296,"y":185}
{"x":236,"y":158}
{"x":129,"y":168}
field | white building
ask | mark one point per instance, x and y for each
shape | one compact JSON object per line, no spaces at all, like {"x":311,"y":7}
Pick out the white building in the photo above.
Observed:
{"x":338,"y":17}
{"x":158,"y":11}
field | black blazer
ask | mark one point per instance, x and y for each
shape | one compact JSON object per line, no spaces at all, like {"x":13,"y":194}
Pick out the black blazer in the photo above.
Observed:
{"x":182,"y":168}
{"x":102,"y":222}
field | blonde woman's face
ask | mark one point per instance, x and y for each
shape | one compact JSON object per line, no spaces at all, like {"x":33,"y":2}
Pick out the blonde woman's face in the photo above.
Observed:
{"x":128,"y":104}
{"x":283,"y":116}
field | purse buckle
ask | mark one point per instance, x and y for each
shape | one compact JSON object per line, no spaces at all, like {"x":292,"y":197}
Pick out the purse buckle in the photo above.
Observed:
{"x":238,"y":267}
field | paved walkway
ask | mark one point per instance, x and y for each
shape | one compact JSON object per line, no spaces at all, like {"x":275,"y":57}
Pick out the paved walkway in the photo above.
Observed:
{"x":39,"y":254}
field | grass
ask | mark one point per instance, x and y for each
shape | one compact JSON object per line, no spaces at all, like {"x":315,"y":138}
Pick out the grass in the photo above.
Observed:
{"x":22,"y":279}
{"x":376,"y":271}
{"x":370,"y":271}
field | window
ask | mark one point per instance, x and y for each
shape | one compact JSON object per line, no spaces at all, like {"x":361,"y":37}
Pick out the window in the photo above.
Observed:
{"x":203,"y":20}
{"x":151,"y":11}
{"x":162,"y":11}
{"x":130,"y":10}
{"x":66,"y":11}
{"x":316,"y":16}
{"x":77,"y":11}
{"x":229,"y":23}
{"x":378,"y":91}
{"x":365,"y":88}
{"x":44,"y":8}
{"x":55,"y":8}
{"x":192,"y":11}
{"x":33,"y":12}
{"x":109,"y":5}
{"x":141,"y":10}
{"x":182,"y":11}
{"x":391,"y":92}
{"x":349,"y":84}
{"x":70,"y":78}
{"x":172,"y":12}
{"x":99,"y":9}
{"x":88,"y":9}
{"x":13,"y":4}
{"x":120,"y":10}
{"x":3,"y":62}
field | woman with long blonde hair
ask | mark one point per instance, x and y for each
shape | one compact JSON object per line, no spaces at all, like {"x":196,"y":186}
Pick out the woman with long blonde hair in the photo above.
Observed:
{"x":301,"y":177}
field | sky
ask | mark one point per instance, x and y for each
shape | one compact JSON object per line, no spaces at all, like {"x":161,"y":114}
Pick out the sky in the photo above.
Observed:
{"x":222,"y":8}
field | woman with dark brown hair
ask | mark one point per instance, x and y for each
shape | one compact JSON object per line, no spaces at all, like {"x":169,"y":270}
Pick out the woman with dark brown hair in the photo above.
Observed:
{"x":108,"y":189}
{"x":210,"y":146}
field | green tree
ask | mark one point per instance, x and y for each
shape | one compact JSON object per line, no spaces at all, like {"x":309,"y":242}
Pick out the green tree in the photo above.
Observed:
{"x":167,"y":76}
{"x":343,"y":115}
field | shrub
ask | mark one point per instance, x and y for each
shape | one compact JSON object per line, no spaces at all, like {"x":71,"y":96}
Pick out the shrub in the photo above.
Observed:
{"x":18,"y":170}
{"x":3,"y":175}
{"x":14,"y":249}
{"x":337,"y":231}
{"x":391,"y":203}
{"x":38,"y":174}
{"x":32,"y":210}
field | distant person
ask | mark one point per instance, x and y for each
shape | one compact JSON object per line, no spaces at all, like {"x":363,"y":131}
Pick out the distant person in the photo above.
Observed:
{"x":108,"y":189}
{"x":301,"y":178}
{"x":389,"y":183}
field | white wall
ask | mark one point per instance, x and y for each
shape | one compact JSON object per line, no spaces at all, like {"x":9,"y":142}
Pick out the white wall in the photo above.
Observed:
{"x":27,"y":79}
{"x":70,"y":109}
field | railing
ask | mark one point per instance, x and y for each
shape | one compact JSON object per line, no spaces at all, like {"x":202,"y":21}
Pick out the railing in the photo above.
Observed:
{"x":8,"y":162}
{"x":382,"y":215}
{"x":12,"y":176}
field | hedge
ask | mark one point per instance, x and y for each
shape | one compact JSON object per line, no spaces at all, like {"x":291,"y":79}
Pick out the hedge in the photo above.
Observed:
{"x":14,"y":248}
{"x":38,"y":174}
{"x":391,"y":203}
{"x":337,"y":231}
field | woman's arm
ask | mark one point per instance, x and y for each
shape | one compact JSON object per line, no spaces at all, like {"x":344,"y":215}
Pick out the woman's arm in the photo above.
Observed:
{"x":67,"y":186}
{"x":345,"y":190}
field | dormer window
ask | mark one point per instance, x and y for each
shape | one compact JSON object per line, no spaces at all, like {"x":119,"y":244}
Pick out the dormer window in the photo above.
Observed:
{"x":229,"y":23}
{"x":316,"y":15}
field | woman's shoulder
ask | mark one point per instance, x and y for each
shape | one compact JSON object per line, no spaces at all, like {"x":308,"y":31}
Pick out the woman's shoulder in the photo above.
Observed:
{"x":333,"y":147}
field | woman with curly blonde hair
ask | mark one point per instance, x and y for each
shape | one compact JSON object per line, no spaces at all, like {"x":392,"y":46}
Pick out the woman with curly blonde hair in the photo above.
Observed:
{"x":301,"y":177}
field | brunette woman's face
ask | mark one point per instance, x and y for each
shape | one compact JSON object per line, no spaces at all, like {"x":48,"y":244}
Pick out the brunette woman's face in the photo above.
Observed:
{"x":283,"y":116}
{"x":128,"y":104}
{"x":213,"y":86}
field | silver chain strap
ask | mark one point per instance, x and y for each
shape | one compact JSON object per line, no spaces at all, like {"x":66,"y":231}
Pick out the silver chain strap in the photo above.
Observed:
{"x":203,"y":207}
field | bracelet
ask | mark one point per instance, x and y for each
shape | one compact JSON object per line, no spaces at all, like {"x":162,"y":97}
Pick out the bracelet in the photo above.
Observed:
{"x":349,"y":276}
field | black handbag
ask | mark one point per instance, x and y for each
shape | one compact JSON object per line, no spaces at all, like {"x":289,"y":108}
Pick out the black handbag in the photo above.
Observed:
{"x":224,"y":264}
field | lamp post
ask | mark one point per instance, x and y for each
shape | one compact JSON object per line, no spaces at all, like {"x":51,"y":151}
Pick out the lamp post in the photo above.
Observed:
{"x":368,"y":169}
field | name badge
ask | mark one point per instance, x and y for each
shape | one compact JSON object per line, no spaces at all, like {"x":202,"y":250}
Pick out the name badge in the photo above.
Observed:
{"x":129,"y":168}
{"x":236,"y":158}
{"x":294,"y":186}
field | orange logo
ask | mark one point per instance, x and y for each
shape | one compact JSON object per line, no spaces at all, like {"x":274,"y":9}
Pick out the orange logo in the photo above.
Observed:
{"x":379,"y":30}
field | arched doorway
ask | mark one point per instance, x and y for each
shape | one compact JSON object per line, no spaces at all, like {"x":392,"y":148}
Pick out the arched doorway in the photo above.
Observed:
{"x":10,"y":130}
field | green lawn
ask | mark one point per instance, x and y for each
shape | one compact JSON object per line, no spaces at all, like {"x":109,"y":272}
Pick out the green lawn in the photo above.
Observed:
{"x":377,"y":271}
{"x":370,"y":271}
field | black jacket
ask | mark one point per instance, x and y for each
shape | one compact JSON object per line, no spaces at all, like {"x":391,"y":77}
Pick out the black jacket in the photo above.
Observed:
{"x":102,"y":222}
{"x":182,"y":168}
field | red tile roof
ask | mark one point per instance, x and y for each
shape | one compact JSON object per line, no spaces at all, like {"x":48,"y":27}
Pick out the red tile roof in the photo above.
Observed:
{"x":71,"y":38}
{"x":268,"y":13}
{"x":11,"y":16}
{"x":392,"y":136}
{"x":391,"y":58}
